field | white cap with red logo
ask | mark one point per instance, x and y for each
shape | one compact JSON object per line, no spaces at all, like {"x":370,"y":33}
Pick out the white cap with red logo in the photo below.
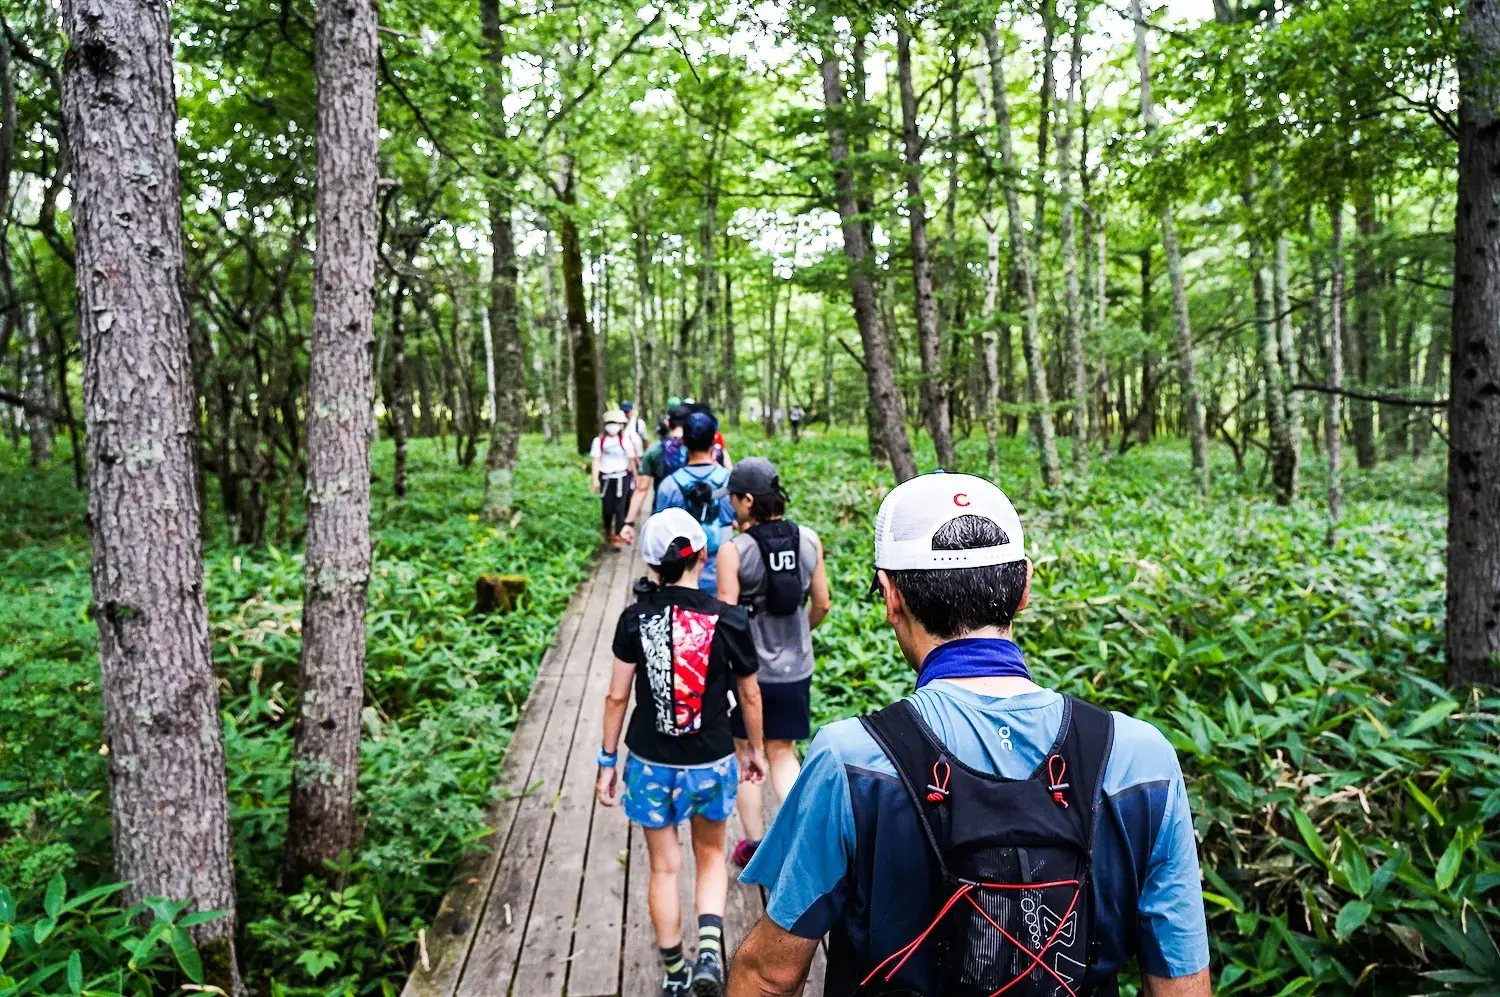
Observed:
{"x":919,"y":507}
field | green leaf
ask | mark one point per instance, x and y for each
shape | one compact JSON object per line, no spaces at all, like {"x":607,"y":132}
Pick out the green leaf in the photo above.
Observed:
{"x":1431,"y":717}
{"x":1353,"y":864}
{"x":1353,"y":914}
{"x":75,"y":972}
{"x":7,"y":907}
{"x":1315,"y":666}
{"x":198,"y":917}
{"x":96,"y":893}
{"x":4,"y":941}
{"x":1447,"y":867}
{"x":1423,"y":800}
{"x":42,"y":929}
{"x":57,"y":891}
{"x":186,"y":953}
{"x":1310,"y":835}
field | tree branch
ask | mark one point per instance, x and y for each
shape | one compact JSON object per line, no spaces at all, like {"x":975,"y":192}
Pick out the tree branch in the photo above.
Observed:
{"x":1374,"y":396}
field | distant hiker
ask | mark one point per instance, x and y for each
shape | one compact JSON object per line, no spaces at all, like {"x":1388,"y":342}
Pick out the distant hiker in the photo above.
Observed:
{"x":664,"y":457}
{"x":664,"y":423}
{"x":795,"y":418}
{"x":679,"y":647}
{"x":720,"y":448}
{"x":983,"y":835}
{"x":701,"y":487}
{"x":614,"y":455}
{"x":774,"y":570}
{"x":635,"y":426}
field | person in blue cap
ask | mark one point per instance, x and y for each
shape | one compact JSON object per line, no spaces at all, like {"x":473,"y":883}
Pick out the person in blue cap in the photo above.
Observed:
{"x":701,"y":486}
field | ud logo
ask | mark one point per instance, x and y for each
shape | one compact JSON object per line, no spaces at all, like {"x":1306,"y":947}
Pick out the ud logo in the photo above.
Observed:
{"x":783,"y":560}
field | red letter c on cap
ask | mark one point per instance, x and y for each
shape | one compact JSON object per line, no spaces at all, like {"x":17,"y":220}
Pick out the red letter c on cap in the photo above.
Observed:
{"x":961,"y":499}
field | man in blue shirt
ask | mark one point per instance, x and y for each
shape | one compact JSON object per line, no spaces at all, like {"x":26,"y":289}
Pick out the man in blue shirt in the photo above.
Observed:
{"x":848,"y":857}
{"x":702,"y":488}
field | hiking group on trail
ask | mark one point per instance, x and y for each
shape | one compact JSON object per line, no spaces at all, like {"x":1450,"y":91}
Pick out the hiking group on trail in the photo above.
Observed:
{"x":982,"y":836}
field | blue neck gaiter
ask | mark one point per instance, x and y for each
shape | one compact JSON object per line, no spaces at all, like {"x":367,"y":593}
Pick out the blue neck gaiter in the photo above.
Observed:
{"x":973,"y":657}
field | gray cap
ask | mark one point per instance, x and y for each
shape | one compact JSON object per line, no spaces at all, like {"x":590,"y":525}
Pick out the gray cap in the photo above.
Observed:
{"x":753,"y":476}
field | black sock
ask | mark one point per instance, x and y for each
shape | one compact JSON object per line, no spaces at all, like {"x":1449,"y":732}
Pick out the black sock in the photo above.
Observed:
{"x":672,"y":959}
{"x":711,"y":932}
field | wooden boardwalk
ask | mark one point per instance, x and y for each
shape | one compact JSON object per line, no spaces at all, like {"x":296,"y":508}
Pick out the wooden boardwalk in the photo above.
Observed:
{"x":556,"y":903}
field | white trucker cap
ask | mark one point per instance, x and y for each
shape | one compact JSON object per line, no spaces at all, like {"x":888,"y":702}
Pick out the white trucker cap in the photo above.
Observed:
{"x":669,"y":527}
{"x":919,"y":507}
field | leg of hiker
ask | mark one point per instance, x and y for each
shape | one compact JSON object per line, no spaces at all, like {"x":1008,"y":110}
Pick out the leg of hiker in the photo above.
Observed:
{"x":710,"y":895}
{"x":752,"y":808}
{"x":785,"y":764}
{"x":663,"y":847}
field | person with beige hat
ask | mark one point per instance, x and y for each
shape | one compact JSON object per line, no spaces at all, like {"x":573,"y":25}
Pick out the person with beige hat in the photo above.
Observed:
{"x":615,"y":455}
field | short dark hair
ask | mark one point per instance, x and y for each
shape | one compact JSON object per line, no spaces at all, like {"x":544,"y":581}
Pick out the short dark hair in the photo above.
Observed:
{"x":767,"y":506}
{"x":952,"y":601}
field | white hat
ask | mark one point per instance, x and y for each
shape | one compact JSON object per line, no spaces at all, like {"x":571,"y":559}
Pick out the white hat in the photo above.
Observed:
{"x":919,"y":507}
{"x":615,"y":415}
{"x":667,"y":527}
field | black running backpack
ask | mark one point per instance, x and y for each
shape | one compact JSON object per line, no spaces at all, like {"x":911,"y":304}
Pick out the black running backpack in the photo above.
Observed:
{"x":780,"y":544}
{"x":1013,"y":897}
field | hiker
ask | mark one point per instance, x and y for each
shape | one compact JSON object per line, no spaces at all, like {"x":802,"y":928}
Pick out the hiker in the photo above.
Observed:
{"x":678,"y":647}
{"x":720,"y":448}
{"x":774,"y":570}
{"x":982,"y":802}
{"x":614,"y":456}
{"x":701,"y":487}
{"x":795,"y":417}
{"x":664,"y":457}
{"x":635,"y":426}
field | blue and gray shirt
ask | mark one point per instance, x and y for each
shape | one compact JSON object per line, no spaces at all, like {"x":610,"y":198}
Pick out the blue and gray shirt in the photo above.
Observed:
{"x":829,"y":873}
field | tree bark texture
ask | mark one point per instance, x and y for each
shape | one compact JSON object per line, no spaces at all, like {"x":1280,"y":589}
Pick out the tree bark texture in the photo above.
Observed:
{"x":1474,"y":410}
{"x":1187,"y":363}
{"x":934,"y":393}
{"x":400,"y":388}
{"x":9,"y":306}
{"x":885,"y":400}
{"x":1022,"y":279}
{"x":586,"y":410}
{"x":1280,"y":449}
{"x":1286,"y":476}
{"x":990,"y":347}
{"x":336,"y":573}
{"x":1362,"y":337}
{"x":1332,"y":419}
{"x":38,"y":392}
{"x":161,"y":707}
{"x":507,"y":412}
{"x":1073,"y":297}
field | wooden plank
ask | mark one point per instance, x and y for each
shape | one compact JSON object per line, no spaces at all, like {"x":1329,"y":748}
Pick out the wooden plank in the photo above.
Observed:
{"x":497,"y":942}
{"x":542,"y":968}
{"x":594,"y":962}
{"x":451,"y":936}
{"x":641,"y":963}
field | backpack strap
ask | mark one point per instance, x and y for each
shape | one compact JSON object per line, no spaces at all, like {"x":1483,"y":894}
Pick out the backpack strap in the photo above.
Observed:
{"x":1086,"y":747}
{"x":901,"y":734}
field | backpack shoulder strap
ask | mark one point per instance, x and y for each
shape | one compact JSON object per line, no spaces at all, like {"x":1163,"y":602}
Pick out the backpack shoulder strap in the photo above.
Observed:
{"x":901,"y":733}
{"x":1087,"y":747}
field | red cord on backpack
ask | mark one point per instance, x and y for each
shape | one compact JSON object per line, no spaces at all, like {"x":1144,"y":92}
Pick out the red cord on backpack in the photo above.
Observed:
{"x":937,"y":791}
{"x":1056,"y":776}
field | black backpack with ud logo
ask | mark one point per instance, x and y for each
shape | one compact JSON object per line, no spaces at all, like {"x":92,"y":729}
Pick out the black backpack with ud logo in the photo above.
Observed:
{"x":780,"y":543}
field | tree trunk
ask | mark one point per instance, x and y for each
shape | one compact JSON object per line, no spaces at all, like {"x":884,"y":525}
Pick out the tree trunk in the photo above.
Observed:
{"x":1473,"y":644}
{"x":990,"y":347}
{"x":1022,"y":279}
{"x":1279,"y":450}
{"x":1079,"y":381}
{"x":1362,"y":339}
{"x":10,"y":312}
{"x":503,"y":332}
{"x":1048,"y":11}
{"x":934,"y":393}
{"x":39,"y":427}
{"x":161,"y":709}
{"x":731,"y":376}
{"x":580,"y":333}
{"x":336,"y":576}
{"x":1286,"y":355}
{"x":1432,"y":376}
{"x":1332,"y":421}
{"x":1187,"y":364}
{"x":885,"y":400}
{"x":400,"y":388}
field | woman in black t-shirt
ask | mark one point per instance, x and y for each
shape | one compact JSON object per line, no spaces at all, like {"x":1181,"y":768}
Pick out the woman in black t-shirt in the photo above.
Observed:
{"x":680,"y":648}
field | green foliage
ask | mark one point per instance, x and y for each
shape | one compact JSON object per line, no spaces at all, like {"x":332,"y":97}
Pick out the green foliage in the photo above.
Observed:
{"x":443,"y":691}
{"x":1340,"y":795}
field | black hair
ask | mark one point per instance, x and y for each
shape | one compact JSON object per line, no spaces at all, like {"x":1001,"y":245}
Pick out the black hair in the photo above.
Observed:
{"x":768,"y":506}
{"x":674,"y":564}
{"x":952,"y":601}
{"x":677,"y":415}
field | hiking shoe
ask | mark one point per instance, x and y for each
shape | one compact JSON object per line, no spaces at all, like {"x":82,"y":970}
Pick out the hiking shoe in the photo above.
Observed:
{"x":678,"y":984}
{"x":743,"y":852}
{"x":708,"y":974}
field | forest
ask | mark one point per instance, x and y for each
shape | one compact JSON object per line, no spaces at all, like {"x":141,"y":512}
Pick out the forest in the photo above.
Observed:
{"x":309,"y":313}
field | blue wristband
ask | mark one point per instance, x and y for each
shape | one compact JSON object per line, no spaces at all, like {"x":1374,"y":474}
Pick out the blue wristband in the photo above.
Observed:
{"x":608,"y":759}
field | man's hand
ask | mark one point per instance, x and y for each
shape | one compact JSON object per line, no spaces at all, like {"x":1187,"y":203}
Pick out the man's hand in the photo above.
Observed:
{"x":753,"y":766}
{"x":627,"y":533}
{"x":604,"y":789}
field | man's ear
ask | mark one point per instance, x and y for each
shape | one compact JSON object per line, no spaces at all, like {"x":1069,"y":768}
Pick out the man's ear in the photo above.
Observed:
{"x":1025,"y":592}
{"x":895,"y":606}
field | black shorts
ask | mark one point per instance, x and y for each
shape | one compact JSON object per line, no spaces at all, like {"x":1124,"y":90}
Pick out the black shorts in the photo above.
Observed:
{"x":786,"y":711}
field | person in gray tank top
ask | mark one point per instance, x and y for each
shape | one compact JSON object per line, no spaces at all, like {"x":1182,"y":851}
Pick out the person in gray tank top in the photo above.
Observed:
{"x":774,"y":569}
